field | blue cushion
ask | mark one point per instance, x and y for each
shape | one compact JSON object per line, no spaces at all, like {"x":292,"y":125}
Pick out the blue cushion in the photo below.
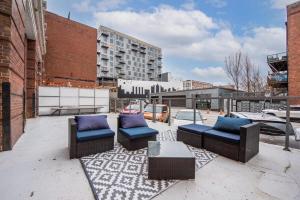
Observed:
{"x":223,"y":135}
{"x":231,"y":125}
{"x":194,"y":128}
{"x":94,"y":134}
{"x":94,"y":122}
{"x":132,"y":121}
{"x":139,"y":132}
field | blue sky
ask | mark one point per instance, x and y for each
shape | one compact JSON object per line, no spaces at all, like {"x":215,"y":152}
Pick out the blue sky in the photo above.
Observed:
{"x":195,"y":36}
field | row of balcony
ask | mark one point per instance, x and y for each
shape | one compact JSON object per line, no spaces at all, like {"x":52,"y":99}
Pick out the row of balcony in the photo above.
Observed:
{"x":278,"y":62}
{"x":278,"y":79}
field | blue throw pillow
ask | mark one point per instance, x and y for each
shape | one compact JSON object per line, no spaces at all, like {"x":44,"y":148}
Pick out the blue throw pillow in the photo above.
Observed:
{"x":85,"y":123}
{"x":231,"y":125}
{"x":132,"y":121}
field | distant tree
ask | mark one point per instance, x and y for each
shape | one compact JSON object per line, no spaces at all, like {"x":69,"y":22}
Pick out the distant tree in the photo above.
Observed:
{"x":247,"y":73}
{"x":234,"y":68}
{"x":244,"y":73}
{"x":258,"y":82}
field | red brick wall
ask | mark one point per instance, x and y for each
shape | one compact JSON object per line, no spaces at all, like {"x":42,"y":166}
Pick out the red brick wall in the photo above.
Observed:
{"x":31,"y":79}
{"x":71,"y":53}
{"x":293,"y":34}
{"x":13,"y":64}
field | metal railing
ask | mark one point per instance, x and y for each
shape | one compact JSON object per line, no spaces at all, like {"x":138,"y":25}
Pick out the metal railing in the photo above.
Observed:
{"x":227,"y":103}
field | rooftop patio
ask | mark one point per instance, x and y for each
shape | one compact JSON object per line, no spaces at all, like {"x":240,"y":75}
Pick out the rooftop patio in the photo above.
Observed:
{"x":39,"y":168}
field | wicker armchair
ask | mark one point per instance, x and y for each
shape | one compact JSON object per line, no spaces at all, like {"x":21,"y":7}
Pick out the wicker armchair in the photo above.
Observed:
{"x":134,"y":143}
{"x":79,"y":148}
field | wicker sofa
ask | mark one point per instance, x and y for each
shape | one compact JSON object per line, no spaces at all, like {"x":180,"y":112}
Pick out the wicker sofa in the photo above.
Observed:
{"x":136,"y":137}
{"x":84,"y":143}
{"x":241,"y":146}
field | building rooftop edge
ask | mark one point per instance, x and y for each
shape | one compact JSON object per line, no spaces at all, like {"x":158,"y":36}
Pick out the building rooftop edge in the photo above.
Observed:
{"x":131,"y":37}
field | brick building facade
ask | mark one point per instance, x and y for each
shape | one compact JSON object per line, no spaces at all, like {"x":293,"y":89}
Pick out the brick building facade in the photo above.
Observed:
{"x":22,"y":47}
{"x":71,"y":53}
{"x":293,"y":46}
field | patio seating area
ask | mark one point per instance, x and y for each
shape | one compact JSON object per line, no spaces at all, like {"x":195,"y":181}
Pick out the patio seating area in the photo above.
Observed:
{"x":39,"y":167}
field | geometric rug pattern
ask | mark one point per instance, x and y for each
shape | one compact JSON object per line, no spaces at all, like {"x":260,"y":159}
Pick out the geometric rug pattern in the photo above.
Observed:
{"x":122,"y":175}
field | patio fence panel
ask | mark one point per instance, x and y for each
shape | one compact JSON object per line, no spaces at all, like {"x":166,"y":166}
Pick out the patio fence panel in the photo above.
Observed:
{"x":51,"y":98}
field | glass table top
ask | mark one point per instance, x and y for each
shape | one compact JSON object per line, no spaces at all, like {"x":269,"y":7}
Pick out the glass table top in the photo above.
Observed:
{"x":168,"y":149}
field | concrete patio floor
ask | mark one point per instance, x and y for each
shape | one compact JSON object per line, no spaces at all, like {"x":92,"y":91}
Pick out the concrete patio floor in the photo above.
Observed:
{"x":38,"y":167}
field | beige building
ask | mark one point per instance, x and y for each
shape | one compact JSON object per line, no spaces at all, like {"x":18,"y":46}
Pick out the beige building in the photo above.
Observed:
{"x":192,"y":84}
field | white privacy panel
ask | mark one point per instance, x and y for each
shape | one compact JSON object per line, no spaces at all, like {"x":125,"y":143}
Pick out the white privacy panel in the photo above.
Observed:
{"x":48,"y":91}
{"x":104,"y":93}
{"x":69,"y":101}
{"x":101,"y":101}
{"x":68,"y":92}
{"x":86,"y":101}
{"x":48,"y":101}
{"x":86,"y":92}
{"x":51,"y":98}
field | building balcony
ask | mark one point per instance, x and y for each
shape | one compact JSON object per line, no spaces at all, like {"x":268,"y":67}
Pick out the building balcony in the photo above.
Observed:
{"x":104,"y":69}
{"x":119,"y":55}
{"x":134,"y":48}
{"x":143,"y":47}
{"x":278,"y":79}
{"x":105,"y":33}
{"x":121,"y":61}
{"x":159,"y":56}
{"x":151,"y":58}
{"x":118,"y":66}
{"x":278,"y":62}
{"x":143,"y":51}
{"x":104,"y":44}
{"x":135,"y":44}
{"x":121,"y":50}
{"x":151,"y":68}
{"x":122,"y":72}
{"x":104,"y":57}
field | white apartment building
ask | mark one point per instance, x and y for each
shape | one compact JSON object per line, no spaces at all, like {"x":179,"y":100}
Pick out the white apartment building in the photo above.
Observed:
{"x":120,"y":56}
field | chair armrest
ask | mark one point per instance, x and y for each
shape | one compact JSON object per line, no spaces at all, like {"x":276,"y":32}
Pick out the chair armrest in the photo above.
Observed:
{"x":118,"y":124}
{"x":249,"y":141}
{"x":72,"y":137}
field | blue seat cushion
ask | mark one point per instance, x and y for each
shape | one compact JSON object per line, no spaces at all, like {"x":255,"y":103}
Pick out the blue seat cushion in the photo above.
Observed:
{"x":94,"y":134}
{"x":194,"y":128}
{"x":139,"y":132}
{"x":230,"y":137}
{"x":231,"y":125}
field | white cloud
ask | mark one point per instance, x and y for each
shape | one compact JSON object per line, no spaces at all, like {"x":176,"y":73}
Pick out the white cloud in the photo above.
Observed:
{"x":191,"y":34}
{"x":215,"y":75}
{"x":264,"y":41}
{"x":281,"y":4}
{"x":103,"y":5}
{"x":83,"y":6}
{"x":110,"y":4}
{"x":184,"y":33}
{"x":189,"y":5}
{"x":217,"y":3}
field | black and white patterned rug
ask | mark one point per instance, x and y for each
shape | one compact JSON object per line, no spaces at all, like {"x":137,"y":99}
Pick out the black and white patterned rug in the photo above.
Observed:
{"x":122,"y":175}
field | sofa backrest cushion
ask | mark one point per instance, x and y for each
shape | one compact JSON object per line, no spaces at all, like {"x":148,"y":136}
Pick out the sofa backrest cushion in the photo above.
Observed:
{"x":85,"y":123}
{"x":231,"y":125}
{"x":132,"y":121}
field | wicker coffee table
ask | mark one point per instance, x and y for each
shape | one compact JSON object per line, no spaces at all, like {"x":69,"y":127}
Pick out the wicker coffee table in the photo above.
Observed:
{"x":170,"y":160}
